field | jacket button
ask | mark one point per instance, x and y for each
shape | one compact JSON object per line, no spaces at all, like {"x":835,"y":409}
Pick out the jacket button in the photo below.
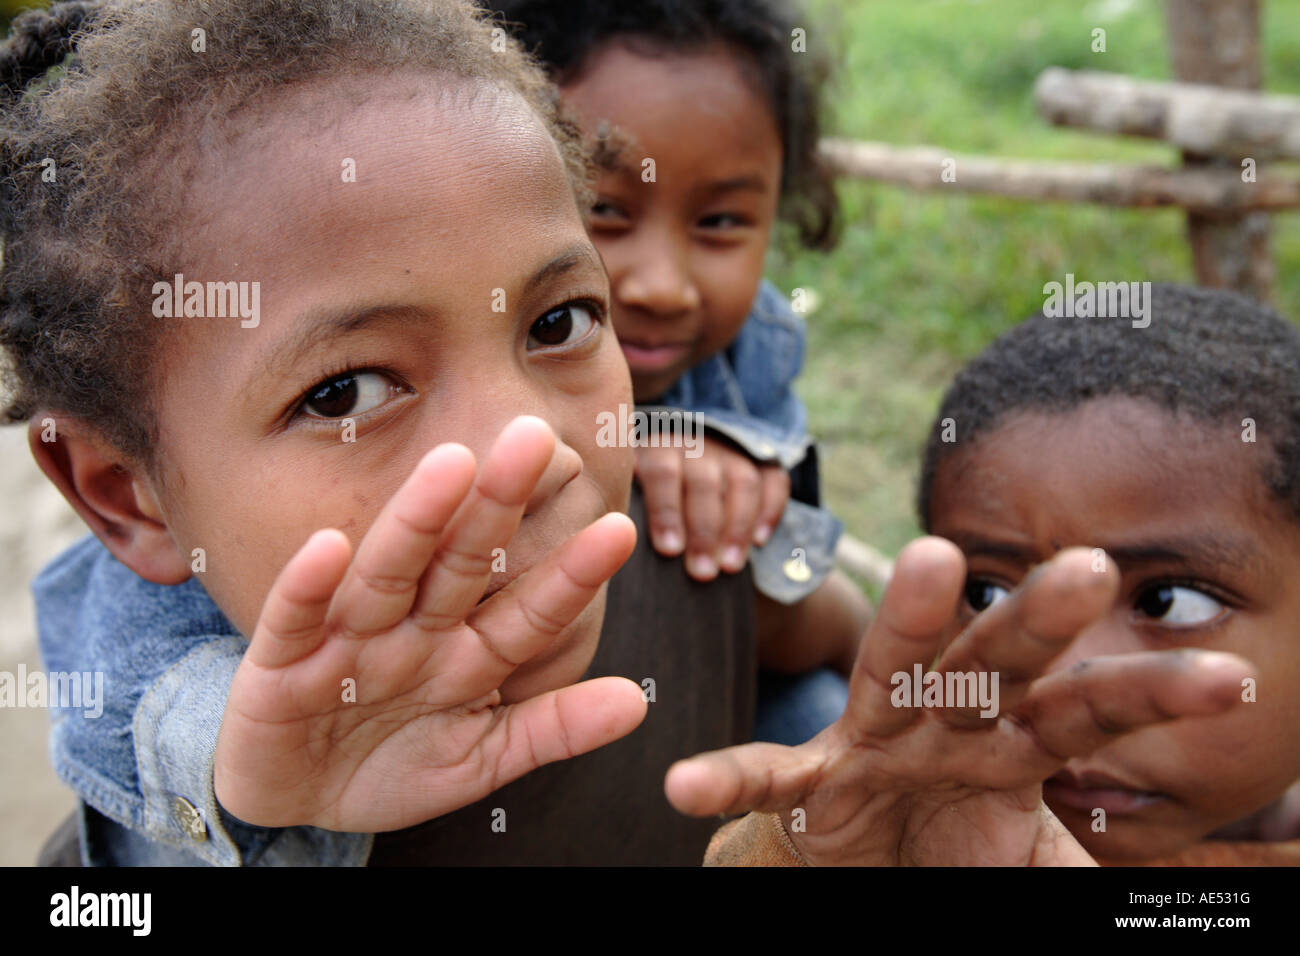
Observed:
{"x":796,"y":569}
{"x":189,"y":818}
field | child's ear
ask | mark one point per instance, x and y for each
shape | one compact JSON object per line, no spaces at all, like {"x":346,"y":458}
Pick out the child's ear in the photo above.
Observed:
{"x":113,"y":497}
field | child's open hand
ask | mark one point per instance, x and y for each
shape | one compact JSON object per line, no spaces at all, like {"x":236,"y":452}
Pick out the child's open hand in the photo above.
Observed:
{"x":889,"y":785}
{"x":424,"y":732}
{"x":714,"y":506}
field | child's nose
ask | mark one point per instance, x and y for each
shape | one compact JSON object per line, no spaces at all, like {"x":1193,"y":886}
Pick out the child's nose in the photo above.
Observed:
{"x":657,"y":280}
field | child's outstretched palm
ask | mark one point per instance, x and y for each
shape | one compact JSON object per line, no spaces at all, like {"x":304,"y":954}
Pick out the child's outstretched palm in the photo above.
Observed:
{"x":369,"y":697}
{"x":889,"y":785}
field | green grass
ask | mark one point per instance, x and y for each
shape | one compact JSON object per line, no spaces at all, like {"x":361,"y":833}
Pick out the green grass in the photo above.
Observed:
{"x":923,"y":281}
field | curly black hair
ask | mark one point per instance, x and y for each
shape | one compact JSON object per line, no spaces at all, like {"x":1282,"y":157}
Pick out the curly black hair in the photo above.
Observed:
{"x":98,"y":101}
{"x":1213,"y":355}
{"x":564,"y":34}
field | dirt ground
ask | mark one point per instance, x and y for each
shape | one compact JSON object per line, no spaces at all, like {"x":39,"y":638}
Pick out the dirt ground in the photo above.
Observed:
{"x":35,"y":525}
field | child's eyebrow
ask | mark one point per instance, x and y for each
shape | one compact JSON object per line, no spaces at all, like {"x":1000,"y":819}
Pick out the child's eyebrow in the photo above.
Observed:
{"x":1208,"y":550}
{"x":753,"y":182}
{"x":568,"y":260}
{"x":317,"y":327}
{"x":970,"y":543}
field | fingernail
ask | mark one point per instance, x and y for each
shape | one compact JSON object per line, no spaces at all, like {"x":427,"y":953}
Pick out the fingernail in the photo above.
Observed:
{"x":670,"y":541}
{"x":733,"y":559}
{"x":762,"y":533}
{"x":703,"y":566}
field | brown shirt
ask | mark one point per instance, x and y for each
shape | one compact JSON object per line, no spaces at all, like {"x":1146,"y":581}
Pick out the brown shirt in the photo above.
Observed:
{"x":607,"y":807}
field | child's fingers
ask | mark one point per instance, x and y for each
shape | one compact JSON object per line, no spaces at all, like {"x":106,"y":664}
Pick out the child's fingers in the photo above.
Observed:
{"x":660,"y":472}
{"x":487,"y":519}
{"x":742,"y":492}
{"x":774,"y":482}
{"x":918,"y":606}
{"x":1018,"y":637}
{"x":380,"y":586}
{"x":562,"y":724}
{"x":523,"y":619}
{"x":757,"y":776}
{"x":703,"y":490}
{"x":290,"y":626}
{"x":1073,"y":712}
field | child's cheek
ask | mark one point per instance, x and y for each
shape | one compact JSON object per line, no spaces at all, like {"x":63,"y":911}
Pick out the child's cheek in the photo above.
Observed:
{"x":610,"y":385}
{"x":240,"y":547}
{"x":1229,"y":766}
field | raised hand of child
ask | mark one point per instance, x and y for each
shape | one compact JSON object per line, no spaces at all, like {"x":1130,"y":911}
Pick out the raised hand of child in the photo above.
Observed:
{"x":713,"y":506}
{"x":890,"y":785}
{"x":423,"y":731}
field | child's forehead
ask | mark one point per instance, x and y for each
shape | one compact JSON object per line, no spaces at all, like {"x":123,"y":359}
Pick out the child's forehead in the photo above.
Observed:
{"x":1111,"y":414}
{"x":336,"y":103}
{"x":636,"y":107}
{"x":638,"y":79}
{"x":1107,"y":466}
{"x":343,"y":149}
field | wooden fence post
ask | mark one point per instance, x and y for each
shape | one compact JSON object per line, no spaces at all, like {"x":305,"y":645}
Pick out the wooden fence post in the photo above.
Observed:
{"x":1217,"y":42}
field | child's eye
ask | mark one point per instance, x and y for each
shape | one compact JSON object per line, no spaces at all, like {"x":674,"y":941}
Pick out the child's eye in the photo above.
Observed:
{"x":348,"y":395}
{"x":607,"y":211}
{"x":571,"y":322}
{"x":982,"y":594}
{"x":723,"y":220}
{"x":1178,"y":606}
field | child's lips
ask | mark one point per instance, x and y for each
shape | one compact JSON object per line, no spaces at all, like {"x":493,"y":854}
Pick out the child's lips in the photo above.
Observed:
{"x":1090,"y":790}
{"x":653,"y":357}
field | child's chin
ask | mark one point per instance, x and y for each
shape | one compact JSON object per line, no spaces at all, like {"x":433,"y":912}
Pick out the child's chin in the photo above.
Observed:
{"x":1125,"y":842}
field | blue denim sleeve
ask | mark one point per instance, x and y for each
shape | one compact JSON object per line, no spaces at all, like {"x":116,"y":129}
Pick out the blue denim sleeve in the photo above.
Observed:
{"x":175,"y":729}
{"x":142,"y":762}
{"x":799,"y":556}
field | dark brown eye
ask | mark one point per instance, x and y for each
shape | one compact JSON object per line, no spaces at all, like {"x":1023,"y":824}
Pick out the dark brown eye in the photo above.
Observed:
{"x":335,"y":398}
{"x":1176,"y":606}
{"x":1156,"y":602}
{"x":553,"y":328}
{"x":353,"y":393}
{"x":981,"y":594}
{"x":570,"y":322}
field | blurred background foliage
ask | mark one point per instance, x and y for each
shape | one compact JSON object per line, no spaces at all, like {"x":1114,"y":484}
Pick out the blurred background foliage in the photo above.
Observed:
{"x":10,"y":8}
{"x":923,"y":281}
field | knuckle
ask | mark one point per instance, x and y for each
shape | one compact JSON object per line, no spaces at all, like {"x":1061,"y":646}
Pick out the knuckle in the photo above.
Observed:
{"x":385,"y":584}
{"x":465,"y":564}
{"x":744,"y":478}
{"x":660,"y":468}
{"x":664,"y":516}
{"x":704,"y":478}
{"x":540,"y":622}
{"x":702,"y":534}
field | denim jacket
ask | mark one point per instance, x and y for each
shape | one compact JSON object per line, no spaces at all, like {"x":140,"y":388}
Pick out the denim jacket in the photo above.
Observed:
{"x":745,"y":394}
{"x":142,"y":769}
